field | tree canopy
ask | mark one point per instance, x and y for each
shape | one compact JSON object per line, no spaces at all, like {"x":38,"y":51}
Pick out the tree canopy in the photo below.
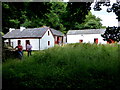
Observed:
{"x":112,"y":33}
{"x":90,"y":22}
{"x":59,"y":15}
{"x":62,"y":16}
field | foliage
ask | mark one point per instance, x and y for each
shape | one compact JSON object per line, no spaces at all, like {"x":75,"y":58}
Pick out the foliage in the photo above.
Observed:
{"x":76,"y":13}
{"x":104,"y":27}
{"x":1,"y":33}
{"x":85,"y":66}
{"x":90,"y":22}
{"x":112,"y":33}
{"x":54,"y":17}
{"x":57,"y":15}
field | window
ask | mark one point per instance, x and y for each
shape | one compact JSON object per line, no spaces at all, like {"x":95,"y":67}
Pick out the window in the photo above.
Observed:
{"x":48,"y":33}
{"x":48,"y":43}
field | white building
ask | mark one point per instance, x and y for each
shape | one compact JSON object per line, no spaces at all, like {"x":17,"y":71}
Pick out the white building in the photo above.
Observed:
{"x":86,"y":36}
{"x":40,"y":38}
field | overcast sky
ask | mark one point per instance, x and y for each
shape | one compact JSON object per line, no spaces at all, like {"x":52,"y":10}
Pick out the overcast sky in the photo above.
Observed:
{"x":108,"y":19}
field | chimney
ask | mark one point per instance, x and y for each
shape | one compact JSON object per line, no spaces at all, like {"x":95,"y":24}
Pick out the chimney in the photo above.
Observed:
{"x":22,"y":28}
{"x":44,"y":26}
{"x":11,"y":29}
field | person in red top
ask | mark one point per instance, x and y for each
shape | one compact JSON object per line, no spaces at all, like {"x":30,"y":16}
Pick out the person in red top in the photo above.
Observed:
{"x":19,"y":49}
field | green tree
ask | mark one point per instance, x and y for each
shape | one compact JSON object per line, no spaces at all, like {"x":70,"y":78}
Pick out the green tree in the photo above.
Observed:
{"x":13,"y":14}
{"x":112,"y":33}
{"x":62,"y":16}
{"x":76,"y":12}
{"x":54,"y":17}
{"x":90,"y":22}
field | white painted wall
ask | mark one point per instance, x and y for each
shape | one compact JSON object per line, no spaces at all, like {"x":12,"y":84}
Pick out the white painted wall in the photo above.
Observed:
{"x":34,"y":43}
{"x":44,"y":40}
{"x":87,"y":38}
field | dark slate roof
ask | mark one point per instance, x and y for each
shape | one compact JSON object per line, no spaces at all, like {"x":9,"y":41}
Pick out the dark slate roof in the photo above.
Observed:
{"x":30,"y":32}
{"x":86,"y":31}
{"x":56,"y":32}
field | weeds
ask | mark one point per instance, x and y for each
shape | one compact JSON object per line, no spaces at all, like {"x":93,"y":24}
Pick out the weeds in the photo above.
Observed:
{"x":84,"y":66}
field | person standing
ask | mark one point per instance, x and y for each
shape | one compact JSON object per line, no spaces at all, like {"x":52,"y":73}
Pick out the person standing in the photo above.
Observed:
{"x":29,"y":49}
{"x":19,"y":50}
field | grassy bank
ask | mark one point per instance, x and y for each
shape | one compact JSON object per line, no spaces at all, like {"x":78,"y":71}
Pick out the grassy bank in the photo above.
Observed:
{"x":84,"y":66}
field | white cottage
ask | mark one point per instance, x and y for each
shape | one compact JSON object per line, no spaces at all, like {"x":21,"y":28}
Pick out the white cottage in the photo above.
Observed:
{"x":40,"y":38}
{"x":86,"y":36}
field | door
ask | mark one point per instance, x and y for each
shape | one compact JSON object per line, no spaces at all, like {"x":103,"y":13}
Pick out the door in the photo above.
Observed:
{"x":96,"y":40}
{"x":55,"y":38}
{"x":110,"y":41}
{"x":58,"y":40}
{"x":81,"y":41}
{"x":27,"y":42}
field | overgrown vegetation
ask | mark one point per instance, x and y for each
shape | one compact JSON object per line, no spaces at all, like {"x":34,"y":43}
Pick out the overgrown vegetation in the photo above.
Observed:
{"x":85,"y":66}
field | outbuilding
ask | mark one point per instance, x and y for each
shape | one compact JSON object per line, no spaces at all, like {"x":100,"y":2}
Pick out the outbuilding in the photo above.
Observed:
{"x":40,"y":38}
{"x":86,"y":36}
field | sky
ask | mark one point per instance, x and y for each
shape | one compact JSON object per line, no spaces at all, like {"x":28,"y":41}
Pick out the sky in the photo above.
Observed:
{"x":108,"y":19}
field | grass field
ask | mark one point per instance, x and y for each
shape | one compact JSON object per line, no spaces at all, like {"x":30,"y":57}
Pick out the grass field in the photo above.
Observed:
{"x":85,"y":66}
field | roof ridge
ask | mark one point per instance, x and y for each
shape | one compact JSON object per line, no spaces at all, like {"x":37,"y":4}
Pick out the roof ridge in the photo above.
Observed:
{"x":31,"y":32}
{"x":88,"y":29}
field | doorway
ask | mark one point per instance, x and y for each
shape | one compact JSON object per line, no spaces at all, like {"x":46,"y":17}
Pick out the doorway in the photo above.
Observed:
{"x":96,"y":40}
{"x":81,"y":41}
{"x":27,"y":42}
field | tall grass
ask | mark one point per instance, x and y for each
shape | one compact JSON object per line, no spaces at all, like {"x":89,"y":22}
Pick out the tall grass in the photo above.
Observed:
{"x":84,"y":66}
